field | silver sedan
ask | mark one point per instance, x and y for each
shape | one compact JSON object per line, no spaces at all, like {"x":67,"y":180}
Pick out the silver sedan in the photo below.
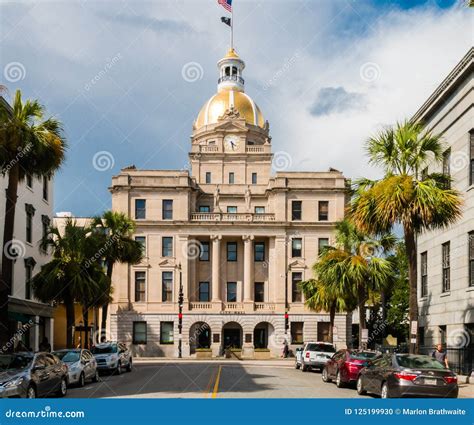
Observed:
{"x":81,"y":365}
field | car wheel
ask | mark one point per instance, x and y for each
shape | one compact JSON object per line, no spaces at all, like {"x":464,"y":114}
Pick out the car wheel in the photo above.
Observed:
{"x":62,"y":388}
{"x":129,"y":366}
{"x":297,"y":365}
{"x":31,"y":392}
{"x":95,"y":378}
{"x":325,"y":375}
{"x":118,"y":371}
{"x":303,"y":367}
{"x":385,"y":393}
{"x":82,"y":380}
{"x":339,"y":382}
{"x":359,"y":386}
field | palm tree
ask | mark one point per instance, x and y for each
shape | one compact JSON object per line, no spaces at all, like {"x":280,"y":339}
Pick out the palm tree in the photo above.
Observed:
{"x":29,"y":144}
{"x":407,"y":195}
{"x":71,"y":276}
{"x":353,"y":267}
{"x":326,"y":296}
{"x":115,"y":231}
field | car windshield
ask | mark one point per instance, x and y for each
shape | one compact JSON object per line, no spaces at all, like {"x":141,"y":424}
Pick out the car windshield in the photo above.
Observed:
{"x":325,"y":348}
{"x":14,"y":361}
{"x":68,"y":356}
{"x":105,"y":349}
{"x":419,"y":362}
{"x":362,"y":355}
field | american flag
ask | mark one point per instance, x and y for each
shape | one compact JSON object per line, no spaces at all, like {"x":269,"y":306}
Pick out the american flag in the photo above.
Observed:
{"x":226,"y":4}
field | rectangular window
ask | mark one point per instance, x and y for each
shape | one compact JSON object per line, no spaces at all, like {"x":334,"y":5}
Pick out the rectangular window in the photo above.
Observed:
{"x":167,"y":209}
{"x":139,"y":333}
{"x":140,"y":282}
{"x":421,"y":336}
{"x":28,"y":275}
{"x":296,"y":295}
{"x":323,"y":210}
{"x":296,"y":247}
{"x":29,"y":181}
{"x":254,"y":178}
{"x":231,"y":210}
{"x":471,"y":258}
{"x":231,"y":178}
{"x":296,"y":210}
{"x":142,"y":241}
{"x":231,"y":251}
{"x":322,"y":243}
{"x":471,"y":156}
{"x":296,"y":332}
{"x":259,"y":292}
{"x":167,"y":286}
{"x":166,"y":333}
{"x":45,"y":188}
{"x":259,"y":251}
{"x":166,"y":246}
{"x":204,"y":251}
{"x":204,"y":208}
{"x":259,"y":210}
{"x":208,"y":177}
{"x":29,"y":226}
{"x":204,"y":291}
{"x":231,"y":292}
{"x":140,"y":209}
{"x":424,"y":273}
{"x":445,"y":251}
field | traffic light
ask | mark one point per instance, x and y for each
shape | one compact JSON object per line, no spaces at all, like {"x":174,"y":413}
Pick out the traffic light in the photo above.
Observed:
{"x":181,"y":299}
{"x":287,"y":322}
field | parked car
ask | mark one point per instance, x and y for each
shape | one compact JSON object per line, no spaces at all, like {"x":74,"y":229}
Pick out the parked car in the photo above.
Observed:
{"x":407,"y":375}
{"x":81,"y":365}
{"x":112,"y":357}
{"x":345,"y":366}
{"x":31,"y":375}
{"x":314,"y":355}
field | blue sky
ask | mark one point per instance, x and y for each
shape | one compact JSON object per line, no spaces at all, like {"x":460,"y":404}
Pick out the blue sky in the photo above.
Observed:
{"x":326,"y":75}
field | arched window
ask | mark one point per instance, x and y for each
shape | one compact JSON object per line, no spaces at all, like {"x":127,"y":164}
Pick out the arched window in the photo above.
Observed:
{"x":234,"y":70}
{"x":227,"y":70}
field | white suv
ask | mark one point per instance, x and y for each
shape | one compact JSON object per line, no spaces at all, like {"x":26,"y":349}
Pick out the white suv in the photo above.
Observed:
{"x":112,"y":356}
{"x":314,"y":355}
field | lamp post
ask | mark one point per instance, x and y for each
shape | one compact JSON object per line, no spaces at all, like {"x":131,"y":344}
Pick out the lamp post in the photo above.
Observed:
{"x":180,"y":314}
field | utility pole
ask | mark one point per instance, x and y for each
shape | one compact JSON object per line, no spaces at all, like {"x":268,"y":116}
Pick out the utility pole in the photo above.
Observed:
{"x":180,"y":314}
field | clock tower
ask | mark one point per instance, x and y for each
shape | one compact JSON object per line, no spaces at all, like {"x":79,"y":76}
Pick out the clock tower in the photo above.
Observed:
{"x":231,"y":144}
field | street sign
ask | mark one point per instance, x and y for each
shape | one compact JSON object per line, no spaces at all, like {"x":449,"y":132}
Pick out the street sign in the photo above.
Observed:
{"x":365,"y":335}
{"x":413,"y":340}
{"x":414,"y":327}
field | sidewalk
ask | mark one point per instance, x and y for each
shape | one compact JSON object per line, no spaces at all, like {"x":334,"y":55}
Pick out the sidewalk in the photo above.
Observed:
{"x":270,"y":362}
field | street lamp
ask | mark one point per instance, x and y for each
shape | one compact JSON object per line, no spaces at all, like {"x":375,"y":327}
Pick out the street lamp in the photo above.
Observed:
{"x":180,"y":314}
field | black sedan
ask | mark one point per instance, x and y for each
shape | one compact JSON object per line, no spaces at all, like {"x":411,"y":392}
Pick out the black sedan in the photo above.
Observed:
{"x":32,"y":375}
{"x":407,"y":375}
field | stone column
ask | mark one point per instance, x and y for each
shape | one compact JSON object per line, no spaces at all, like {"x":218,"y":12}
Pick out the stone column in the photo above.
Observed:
{"x":216,"y":264}
{"x":248,"y":268}
{"x":50,"y":331}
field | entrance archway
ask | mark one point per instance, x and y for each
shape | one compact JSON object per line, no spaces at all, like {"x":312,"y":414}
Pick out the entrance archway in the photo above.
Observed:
{"x":262,"y":334}
{"x":232,"y":335}
{"x":199,"y":336}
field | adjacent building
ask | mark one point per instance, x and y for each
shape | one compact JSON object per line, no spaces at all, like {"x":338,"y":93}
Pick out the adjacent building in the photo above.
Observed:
{"x":29,"y":319}
{"x":229,"y":235}
{"x":446,"y":257}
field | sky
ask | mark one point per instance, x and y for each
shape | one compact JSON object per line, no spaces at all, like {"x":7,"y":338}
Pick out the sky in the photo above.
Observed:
{"x":128,"y":78}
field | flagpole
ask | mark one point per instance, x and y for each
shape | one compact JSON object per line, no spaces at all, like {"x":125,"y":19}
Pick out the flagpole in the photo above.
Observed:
{"x":232,"y":28}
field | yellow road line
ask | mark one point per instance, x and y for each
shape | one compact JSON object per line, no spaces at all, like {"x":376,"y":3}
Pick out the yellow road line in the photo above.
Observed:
{"x":209,"y":384}
{"x":216,"y":385}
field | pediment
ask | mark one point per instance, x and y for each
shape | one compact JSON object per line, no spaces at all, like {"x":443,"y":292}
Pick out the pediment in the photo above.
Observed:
{"x":297,"y":264}
{"x":231,"y":125}
{"x":167,"y":262}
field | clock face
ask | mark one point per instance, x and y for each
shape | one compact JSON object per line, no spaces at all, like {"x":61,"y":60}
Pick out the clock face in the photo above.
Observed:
{"x":231,"y":143}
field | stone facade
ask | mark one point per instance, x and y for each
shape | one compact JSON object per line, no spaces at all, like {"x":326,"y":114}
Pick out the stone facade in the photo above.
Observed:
{"x":446,"y":300}
{"x":234,"y":233}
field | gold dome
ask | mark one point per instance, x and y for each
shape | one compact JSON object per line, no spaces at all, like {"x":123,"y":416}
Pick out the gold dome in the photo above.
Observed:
{"x":224,"y":100}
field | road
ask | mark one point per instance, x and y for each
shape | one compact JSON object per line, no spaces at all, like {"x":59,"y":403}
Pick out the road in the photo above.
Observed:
{"x":226,"y":379}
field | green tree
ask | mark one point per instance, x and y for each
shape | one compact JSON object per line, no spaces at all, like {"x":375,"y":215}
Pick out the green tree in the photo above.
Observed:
{"x":407,"y":195}
{"x":29,"y":144}
{"x":73,"y":275}
{"x":115,"y":230}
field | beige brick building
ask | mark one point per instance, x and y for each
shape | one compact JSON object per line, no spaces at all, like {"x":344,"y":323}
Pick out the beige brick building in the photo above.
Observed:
{"x":236,"y":235}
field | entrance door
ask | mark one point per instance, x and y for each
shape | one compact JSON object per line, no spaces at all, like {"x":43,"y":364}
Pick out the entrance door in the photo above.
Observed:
{"x":204,"y":339}
{"x":260,"y":338}
{"x":232,"y":338}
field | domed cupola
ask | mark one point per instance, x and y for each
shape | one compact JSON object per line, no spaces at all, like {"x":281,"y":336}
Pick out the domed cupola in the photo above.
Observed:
{"x":230,"y":72}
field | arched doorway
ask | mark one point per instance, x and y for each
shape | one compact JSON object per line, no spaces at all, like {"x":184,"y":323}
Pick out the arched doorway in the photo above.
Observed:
{"x":199,"y":336}
{"x":262,"y":333}
{"x":232,"y":335}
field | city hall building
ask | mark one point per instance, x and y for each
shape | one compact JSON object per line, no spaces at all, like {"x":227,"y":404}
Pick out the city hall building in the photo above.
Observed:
{"x":229,"y":235}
